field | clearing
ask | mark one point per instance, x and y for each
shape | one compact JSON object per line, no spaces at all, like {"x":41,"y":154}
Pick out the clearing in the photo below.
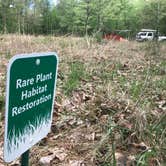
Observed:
{"x":110,"y":101}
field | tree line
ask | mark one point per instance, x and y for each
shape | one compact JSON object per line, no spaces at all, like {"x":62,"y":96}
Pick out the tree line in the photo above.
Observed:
{"x":81,"y":17}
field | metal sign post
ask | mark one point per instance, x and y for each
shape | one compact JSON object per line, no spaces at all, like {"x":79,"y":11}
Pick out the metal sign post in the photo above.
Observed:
{"x":25,"y":158}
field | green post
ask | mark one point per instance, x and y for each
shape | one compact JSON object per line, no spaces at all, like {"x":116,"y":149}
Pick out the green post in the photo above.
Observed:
{"x":25,"y":158}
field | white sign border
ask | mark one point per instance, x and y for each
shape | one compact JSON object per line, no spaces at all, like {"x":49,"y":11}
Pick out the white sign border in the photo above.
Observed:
{"x":7,"y":158}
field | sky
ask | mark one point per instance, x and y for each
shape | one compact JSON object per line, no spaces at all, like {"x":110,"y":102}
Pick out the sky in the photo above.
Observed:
{"x":54,"y":2}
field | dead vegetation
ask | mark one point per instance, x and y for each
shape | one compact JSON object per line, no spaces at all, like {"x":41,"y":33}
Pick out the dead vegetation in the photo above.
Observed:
{"x":110,"y":101}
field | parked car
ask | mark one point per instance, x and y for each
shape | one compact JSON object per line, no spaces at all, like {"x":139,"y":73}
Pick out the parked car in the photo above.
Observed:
{"x":148,"y":35}
{"x":162,"y":38}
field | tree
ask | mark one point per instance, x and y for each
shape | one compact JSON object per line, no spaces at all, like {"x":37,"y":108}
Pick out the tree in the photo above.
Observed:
{"x":81,"y":17}
{"x":4,"y":8}
{"x":66,"y":15}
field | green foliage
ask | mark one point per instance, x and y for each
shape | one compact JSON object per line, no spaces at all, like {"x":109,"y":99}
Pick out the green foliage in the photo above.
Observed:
{"x":106,"y":74}
{"x":143,"y":158}
{"x":66,"y":14}
{"x":159,"y":72}
{"x":136,"y":89}
{"x":98,"y":36}
{"x":160,"y":84}
{"x":84,"y":17}
{"x":77,"y":73}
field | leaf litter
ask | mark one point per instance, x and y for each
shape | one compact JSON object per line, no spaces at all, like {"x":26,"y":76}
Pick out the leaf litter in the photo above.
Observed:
{"x":104,"y":119}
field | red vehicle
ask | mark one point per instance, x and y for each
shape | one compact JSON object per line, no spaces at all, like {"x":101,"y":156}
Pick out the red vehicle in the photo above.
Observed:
{"x":114,"y":37}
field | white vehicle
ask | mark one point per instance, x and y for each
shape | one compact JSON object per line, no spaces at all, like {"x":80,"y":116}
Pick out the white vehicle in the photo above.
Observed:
{"x":148,"y":35}
{"x":162,"y":38}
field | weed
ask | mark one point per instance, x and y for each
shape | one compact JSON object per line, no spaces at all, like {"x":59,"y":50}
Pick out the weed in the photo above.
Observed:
{"x":108,"y":71}
{"x":77,"y":73}
{"x":63,"y":44}
{"x":128,"y":77}
{"x":157,"y":69}
{"x":105,"y":152}
{"x":136,"y":89}
{"x":8,"y":54}
{"x":160,"y":84}
{"x":98,"y":36}
{"x":46,"y":39}
{"x":143,"y":159}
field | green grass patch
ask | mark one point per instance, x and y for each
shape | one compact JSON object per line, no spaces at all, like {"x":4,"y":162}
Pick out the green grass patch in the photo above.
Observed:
{"x":160,"y":84}
{"x":135,"y":89}
{"x":108,"y":71}
{"x":19,"y":140}
{"x":76,"y":74}
{"x":143,"y":159}
{"x":156,"y":69}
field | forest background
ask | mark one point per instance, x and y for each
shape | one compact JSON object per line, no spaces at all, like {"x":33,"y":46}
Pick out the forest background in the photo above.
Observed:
{"x":81,"y":17}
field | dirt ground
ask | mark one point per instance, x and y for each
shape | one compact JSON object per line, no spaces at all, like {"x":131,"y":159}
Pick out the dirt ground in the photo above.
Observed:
{"x":110,"y":101}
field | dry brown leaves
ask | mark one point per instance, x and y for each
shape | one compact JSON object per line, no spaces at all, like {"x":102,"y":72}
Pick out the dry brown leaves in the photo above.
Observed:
{"x":81,"y":120}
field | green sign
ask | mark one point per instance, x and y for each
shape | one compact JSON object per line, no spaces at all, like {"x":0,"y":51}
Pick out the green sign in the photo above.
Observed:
{"x":31,"y":80}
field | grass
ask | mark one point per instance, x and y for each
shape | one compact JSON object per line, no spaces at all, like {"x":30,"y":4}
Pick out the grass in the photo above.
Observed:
{"x":16,"y":132}
{"x":135,"y":89}
{"x":116,"y":88}
{"x":77,"y":72}
{"x":2,"y":90}
{"x":144,"y":157}
{"x":20,"y":140}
